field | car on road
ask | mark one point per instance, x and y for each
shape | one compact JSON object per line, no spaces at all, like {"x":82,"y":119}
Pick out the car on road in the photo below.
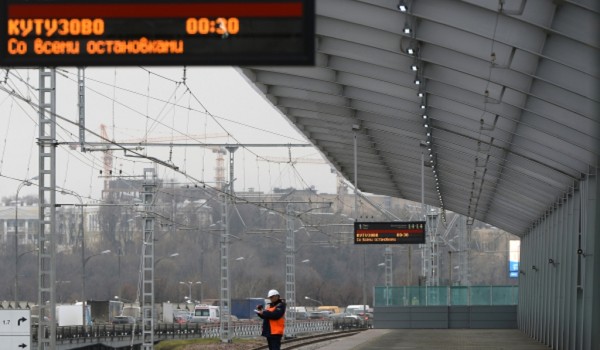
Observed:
{"x":123,"y":320}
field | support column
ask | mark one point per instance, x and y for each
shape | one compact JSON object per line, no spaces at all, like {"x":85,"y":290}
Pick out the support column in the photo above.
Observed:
{"x":595,"y":266}
{"x":591,"y":263}
{"x":149,"y":197}
{"x":430,"y":264}
{"x":290,"y":273}
{"x":47,"y":210}
{"x":225,"y":297}
{"x":463,"y":252}
{"x":388,"y":274}
{"x":558,"y":282}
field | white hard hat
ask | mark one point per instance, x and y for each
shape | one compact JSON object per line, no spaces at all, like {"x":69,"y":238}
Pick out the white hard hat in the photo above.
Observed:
{"x":272,"y":292}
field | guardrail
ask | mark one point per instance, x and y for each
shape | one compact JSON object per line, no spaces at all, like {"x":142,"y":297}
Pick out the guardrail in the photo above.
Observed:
{"x":74,"y":336}
{"x":70,"y":337}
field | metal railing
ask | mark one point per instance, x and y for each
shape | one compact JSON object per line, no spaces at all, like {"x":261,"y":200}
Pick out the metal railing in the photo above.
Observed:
{"x":445,"y":295}
{"x":67,"y":337}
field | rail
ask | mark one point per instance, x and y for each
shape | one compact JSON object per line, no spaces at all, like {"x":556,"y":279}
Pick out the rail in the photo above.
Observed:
{"x":296,"y":343}
{"x":71,"y":337}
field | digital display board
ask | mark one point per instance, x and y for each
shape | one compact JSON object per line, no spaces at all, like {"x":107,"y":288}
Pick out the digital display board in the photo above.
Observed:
{"x":412,"y":232}
{"x":160,"y":33}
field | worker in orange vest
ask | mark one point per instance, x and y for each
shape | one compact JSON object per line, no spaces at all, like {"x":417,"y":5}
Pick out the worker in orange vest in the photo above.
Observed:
{"x":273,"y":320}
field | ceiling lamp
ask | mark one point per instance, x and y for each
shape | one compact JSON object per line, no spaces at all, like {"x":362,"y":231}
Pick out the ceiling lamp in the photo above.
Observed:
{"x":402,"y":6}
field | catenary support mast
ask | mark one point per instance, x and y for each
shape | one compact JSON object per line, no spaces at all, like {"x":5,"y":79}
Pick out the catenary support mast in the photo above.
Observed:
{"x":149,"y":194}
{"x":47,"y":210}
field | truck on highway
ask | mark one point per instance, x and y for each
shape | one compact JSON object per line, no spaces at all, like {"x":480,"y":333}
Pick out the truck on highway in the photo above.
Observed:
{"x":132,"y":310}
{"x":72,"y":315}
{"x":103,"y":311}
{"x":244,"y":308}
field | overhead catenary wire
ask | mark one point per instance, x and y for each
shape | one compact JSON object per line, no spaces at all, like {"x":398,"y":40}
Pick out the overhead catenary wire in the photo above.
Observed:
{"x":94,"y":158}
{"x":116,"y":144}
{"x":69,"y":133}
{"x":6,"y":136}
{"x":182,"y":106}
{"x":61,"y":118}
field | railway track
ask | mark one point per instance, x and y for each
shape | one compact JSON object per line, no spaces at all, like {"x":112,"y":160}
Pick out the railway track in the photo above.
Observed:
{"x":297,"y":343}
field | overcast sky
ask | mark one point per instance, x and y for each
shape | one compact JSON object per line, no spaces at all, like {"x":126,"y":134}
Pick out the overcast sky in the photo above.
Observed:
{"x":134,"y":102}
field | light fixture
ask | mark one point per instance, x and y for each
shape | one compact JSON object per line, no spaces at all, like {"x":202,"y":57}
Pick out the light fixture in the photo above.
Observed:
{"x":423,"y":106}
{"x":414,"y":67}
{"x":402,"y":6}
{"x":406,"y":29}
{"x":424,"y":116}
{"x":428,"y":134}
{"x":417,"y":81}
{"x":420,"y":94}
{"x":410,"y":51}
{"x":426,"y":125}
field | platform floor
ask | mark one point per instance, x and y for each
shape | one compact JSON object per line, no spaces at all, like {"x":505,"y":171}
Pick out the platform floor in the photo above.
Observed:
{"x":446,"y":339}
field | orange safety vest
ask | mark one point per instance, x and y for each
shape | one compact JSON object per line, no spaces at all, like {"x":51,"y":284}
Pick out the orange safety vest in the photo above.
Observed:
{"x":278,"y":325}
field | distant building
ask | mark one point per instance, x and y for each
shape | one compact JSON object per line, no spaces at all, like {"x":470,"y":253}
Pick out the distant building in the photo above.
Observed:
{"x":28,"y":226}
{"x":67,"y":225}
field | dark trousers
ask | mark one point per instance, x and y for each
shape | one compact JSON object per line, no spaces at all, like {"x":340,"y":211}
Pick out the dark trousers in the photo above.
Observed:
{"x":274,"y":342}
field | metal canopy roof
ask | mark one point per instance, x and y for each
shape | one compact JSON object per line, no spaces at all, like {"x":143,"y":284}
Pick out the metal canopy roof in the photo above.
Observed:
{"x":510,"y":90}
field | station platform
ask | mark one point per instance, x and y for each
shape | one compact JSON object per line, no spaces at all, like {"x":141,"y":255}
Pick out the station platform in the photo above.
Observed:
{"x":446,"y":339}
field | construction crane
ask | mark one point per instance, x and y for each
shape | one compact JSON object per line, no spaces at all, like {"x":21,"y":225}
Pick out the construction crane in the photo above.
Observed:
{"x":108,"y":153}
{"x":220,"y":169}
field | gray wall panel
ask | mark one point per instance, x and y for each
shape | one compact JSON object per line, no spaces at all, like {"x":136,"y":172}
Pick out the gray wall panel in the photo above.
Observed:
{"x":559,"y":288}
{"x":596,"y":267}
{"x":480,"y":317}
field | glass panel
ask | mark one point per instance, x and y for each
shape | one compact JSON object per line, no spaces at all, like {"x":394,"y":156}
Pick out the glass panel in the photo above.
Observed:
{"x":416,"y":296}
{"x":437,"y":296}
{"x":395,"y":296}
{"x":389,"y":296}
{"x":503,"y":295}
{"x":459,"y":295}
{"x":480,"y":295}
{"x":379,"y":296}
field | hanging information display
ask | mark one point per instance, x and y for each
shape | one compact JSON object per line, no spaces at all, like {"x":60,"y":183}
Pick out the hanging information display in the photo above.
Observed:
{"x":411,"y":232}
{"x":134,"y":32}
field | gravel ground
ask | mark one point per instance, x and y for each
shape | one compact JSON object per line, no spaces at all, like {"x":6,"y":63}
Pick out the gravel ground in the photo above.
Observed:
{"x":245,"y":345}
